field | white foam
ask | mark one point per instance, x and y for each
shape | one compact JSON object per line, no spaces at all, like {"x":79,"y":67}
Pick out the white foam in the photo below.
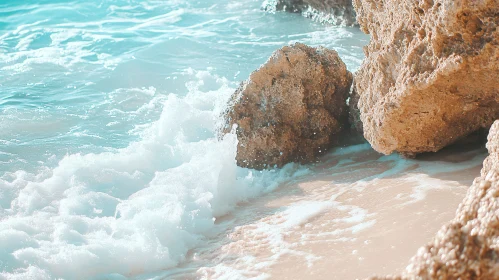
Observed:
{"x":135,"y":210}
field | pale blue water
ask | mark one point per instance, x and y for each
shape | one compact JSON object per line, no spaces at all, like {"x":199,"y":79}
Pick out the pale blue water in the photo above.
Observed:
{"x":109,"y":164}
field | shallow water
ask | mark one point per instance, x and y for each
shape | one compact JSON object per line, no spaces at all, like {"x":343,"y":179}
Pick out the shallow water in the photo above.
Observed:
{"x":109,"y":164}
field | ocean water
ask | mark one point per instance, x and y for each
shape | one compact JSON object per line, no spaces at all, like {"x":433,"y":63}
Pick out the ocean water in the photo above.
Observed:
{"x":109,"y":163}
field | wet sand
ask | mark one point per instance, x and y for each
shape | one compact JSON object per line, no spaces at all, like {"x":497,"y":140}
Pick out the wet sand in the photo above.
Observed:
{"x":355,"y":215}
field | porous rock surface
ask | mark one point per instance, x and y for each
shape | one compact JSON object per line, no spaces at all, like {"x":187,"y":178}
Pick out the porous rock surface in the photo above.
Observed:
{"x":430,"y":73}
{"x":468,"y":246}
{"x":338,"y":12}
{"x":292,"y":109}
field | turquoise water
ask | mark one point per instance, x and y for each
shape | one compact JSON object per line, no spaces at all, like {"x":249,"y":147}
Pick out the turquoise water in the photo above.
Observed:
{"x":109,"y":164}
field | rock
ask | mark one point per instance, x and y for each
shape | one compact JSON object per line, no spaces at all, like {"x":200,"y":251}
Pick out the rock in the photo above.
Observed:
{"x":337,"y":12}
{"x":292,"y":109}
{"x":467,"y":247}
{"x":430,"y":73}
{"x":354,"y":112}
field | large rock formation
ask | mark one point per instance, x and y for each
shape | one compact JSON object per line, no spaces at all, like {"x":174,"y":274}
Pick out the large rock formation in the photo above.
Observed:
{"x":337,"y":12}
{"x":430,"y":73}
{"x":291,"y":109}
{"x":467,"y":247}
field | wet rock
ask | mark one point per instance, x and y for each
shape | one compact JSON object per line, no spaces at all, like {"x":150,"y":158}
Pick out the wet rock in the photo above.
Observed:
{"x":430,"y":73}
{"x":337,"y":12}
{"x":292,"y":109}
{"x":467,"y":247}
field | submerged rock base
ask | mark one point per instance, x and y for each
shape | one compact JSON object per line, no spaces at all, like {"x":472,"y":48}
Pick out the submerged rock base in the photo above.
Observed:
{"x":336,"y":12}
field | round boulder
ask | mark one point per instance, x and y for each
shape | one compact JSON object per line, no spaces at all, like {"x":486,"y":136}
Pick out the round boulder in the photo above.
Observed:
{"x":292,"y":109}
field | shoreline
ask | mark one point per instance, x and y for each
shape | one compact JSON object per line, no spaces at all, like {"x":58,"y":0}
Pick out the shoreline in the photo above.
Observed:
{"x":341,"y":222}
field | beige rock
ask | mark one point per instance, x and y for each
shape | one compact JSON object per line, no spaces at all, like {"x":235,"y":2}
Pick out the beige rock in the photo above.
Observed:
{"x":292,"y":109}
{"x":430,"y":73}
{"x":467,"y":247}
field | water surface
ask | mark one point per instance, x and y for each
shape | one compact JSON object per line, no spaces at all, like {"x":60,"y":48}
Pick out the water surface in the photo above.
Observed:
{"x":109,"y":164}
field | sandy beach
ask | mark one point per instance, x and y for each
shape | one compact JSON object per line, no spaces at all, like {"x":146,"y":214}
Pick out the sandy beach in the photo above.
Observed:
{"x":359,"y":215}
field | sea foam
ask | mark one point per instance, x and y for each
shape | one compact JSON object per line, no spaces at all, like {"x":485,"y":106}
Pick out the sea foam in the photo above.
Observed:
{"x":134,"y":210}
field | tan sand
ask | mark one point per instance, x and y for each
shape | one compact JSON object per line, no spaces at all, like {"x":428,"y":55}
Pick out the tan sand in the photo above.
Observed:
{"x":356,"y":215}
